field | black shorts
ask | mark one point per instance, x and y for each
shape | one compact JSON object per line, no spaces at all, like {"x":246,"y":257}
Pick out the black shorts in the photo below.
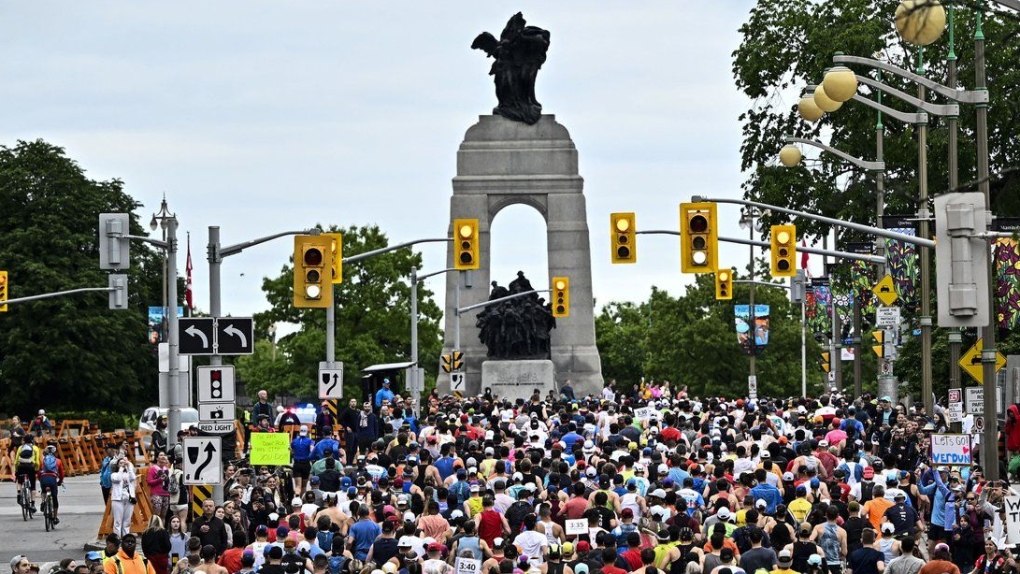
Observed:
{"x":26,"y":470}
{"x":302,"y":468}
{"x":936,"y":532}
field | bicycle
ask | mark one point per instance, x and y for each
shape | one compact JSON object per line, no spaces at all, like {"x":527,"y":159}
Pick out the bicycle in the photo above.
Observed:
{"x":25,"y":500}
{"x":47,"y":510}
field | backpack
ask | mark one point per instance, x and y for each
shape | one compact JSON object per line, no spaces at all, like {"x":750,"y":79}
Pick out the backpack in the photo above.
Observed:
{"x":516,"y":514}
{"x":336,"y":564}
{"x":173,"y":483}
{"x":741,"y":538}
{"x":462,"y":490}
{"x":27,"y":453}
{"x":49,"y":463}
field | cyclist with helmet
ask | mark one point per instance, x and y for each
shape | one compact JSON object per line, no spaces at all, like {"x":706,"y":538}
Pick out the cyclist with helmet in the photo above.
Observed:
{"x":28,"y":457}
{"x":51,"y":475}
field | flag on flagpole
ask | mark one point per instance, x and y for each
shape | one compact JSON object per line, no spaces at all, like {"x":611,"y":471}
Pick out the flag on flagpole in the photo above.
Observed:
{"x":188,"y":295}
{"x":804,"y":258}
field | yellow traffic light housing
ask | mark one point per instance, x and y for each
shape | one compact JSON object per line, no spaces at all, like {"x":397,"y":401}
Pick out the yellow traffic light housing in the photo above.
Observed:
{"x":624,"y":236}
{"x":465,"y":240}
{"x":560,"y":297}
{"x":313,"y":268}
{"x":724,"y":284}
{"x":3,"y":291}
{"x":784,"y":250}
{"x":699,"y":245}
{"x":337,"y":255}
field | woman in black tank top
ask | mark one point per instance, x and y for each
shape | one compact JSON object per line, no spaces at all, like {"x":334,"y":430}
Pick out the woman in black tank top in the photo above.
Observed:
{"x":802,"y":550}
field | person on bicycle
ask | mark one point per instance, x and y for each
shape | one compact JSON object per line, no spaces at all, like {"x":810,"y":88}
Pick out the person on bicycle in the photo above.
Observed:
{"x":51,"y":475}
{"x":40,"y":424}
{"x":28,"y":459}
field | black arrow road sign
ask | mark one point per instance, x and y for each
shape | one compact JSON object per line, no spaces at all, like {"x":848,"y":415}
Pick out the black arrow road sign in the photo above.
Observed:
{"x":235,"y":335}
{"x":202,"y":463}
{"x":196,"y":335}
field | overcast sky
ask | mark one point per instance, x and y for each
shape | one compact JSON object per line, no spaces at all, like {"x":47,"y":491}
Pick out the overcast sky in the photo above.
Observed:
{"x":266,"y":116}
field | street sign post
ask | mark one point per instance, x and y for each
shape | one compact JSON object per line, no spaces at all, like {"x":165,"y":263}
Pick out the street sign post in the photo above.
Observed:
{"x":331,"y":380}
{"x":887,"y":316}
{"x":216,"y":384}
{"x":976,"y":400}
{"x":202,"y":460}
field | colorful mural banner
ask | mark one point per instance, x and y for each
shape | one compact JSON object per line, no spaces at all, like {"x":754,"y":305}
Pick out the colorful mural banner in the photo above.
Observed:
{"x":158,"y":324}
{"x":817,"y":312}
{"x":742,"y":316}
{"x":1007,"y":283}
{"x":903,"y":266}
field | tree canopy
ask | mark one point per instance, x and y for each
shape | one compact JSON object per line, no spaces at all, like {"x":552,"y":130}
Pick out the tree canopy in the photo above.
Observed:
{"x":55,"y":353}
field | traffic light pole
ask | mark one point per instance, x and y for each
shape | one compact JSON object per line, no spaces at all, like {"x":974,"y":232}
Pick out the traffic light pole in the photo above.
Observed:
{"x":811,"y":250}
{"x":418,"y":383}
{"x":59,"y":294}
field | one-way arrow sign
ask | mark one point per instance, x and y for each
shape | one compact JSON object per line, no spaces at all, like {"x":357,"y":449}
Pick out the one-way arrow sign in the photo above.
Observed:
{"x":235,"y":335}
{"x":196,"y":335}
{"x":202,"y":463}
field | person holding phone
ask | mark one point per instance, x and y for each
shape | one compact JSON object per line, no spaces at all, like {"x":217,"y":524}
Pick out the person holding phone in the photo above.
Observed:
{"x":122,"y":496}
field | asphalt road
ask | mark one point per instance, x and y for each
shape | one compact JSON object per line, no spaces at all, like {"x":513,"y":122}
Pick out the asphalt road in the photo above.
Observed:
{"x":81,"y":510}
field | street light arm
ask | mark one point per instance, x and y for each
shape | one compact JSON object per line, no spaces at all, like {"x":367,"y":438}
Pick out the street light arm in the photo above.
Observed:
{"x":373,"y":253}
{"x":239,"y":247}
{"x":434,"y":273}
{"x":811,"y":250}
{"x":952,"y":110}
{"x":59,"y":294}
{"x":500,"y":300}
{"x":837,"y":222}
{"x":907,"y":118}
{"x":962,"y":96}
{"x":764,"y":283}
{"x":161,"y":244}
{"x":861,"y":163}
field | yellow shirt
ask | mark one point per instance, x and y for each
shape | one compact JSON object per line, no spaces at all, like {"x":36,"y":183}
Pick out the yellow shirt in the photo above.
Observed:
{"x":800,"y":508}
{"x":474,"y":505}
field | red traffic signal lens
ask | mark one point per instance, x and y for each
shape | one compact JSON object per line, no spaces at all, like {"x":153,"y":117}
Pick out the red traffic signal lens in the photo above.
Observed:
{"x":313,"y":256}
{"x":698,"y":224}
{"x":699,"y":242}
{"x":623,"y":252}
{"x":466,"y":258}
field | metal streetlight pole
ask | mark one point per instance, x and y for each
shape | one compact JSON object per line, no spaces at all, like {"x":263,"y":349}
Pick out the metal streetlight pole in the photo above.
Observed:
{"x":747,"y":218}
{"x":418,"y":382}
{"x":955,"y":335}
{"x":925,"y":253}
{"x":168,"y":221}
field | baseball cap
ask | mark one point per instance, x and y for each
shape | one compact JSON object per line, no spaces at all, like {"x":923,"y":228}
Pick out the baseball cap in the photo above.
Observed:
{"x":885,"y":399}
{"x":314,"y":480}
{"x":627,"y":513}
{"x":888,"y":528}
{"x":94,"y":556}
{"x":868,"y":472}
{"x":785,"y":558}
{"x":658,"y":493}
{"x":295,"y":502}
{"x":581,"y":568}
{"x":475,"y":488}
{"x":788,"y":477}
{"x":815,"y":559}
{"x":568,"y":548}
{"x":941,"y":546}
{"x":823,"y":443}
{"x":723,"y":513}
{"x":405,"y":542}
{"x":583,"y":546}
{"x":499,"y":543}
{"x":760,"y":503}
{"x":435,"y":547}
{"x":18,"y":558}
{"x":304,"y":429}
{"x":289,"y":542}
{"x":663,"y":469}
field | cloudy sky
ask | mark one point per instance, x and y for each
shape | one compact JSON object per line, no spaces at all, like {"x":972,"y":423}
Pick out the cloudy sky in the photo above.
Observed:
{"x":265,"y":116}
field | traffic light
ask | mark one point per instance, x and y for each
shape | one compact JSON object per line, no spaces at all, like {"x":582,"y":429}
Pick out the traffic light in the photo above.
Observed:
{"x":724,"y":284}
{"x":465,"y":239}
{"x":560,"y":296}
{"x":623,"y":230}
{"x":784,"y":250}
{"x":337,"y":249}
{"x":114,"y":246}
{"x":824,"y":362}
{"x":699,"y":246}
{"x":313,"y":264}
{"x":3,"y":291}
{"x":453,"y":362}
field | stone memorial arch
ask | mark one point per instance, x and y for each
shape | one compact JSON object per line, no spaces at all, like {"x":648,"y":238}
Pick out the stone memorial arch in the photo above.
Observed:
{"x":502,"y":162}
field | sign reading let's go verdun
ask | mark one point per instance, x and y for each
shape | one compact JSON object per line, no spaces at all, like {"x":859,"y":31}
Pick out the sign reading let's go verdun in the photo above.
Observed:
{"x":951,"y":449}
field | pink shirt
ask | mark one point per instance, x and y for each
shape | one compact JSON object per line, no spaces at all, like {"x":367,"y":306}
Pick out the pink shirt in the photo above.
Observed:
{"x":155,"y":481}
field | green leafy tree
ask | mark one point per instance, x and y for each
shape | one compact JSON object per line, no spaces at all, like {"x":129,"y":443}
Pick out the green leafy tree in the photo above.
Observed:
{"x":68,"y":351}
{"x":788,"y":44}
{"x":372,"y":322}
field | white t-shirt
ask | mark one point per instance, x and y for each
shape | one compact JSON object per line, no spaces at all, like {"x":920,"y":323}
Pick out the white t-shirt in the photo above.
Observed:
{"x":531,"y":544}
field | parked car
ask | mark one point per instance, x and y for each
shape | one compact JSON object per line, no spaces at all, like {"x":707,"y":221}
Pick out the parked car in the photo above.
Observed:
{"x":189,"y":418}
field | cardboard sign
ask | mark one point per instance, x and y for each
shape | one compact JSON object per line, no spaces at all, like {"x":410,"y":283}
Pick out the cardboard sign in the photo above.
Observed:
{"x":270,"y":448}
{"x":1012,"y":519}
{"x":951,"y":450}
{"x":579,"y":526}
{"x":644,"y":414}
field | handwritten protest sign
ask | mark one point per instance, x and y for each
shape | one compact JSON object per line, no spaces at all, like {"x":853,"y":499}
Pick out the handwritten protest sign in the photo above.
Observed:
{"x":1012,"y":519}
{"x":270,"y":448}
{"x":951,"y":449}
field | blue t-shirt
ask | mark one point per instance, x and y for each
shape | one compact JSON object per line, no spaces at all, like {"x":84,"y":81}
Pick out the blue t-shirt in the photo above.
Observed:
{"x":301,"y":447}
{"x":320,"y":448}
{"x":364,"y":533}
{"x":383,"y":394}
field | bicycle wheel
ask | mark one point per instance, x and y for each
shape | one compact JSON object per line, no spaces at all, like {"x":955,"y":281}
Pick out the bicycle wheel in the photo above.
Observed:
{"x":47,"y":513}
{"x":23,"y":501}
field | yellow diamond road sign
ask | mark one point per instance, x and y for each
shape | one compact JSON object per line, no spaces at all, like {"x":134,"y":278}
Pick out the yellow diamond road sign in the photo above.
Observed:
{"x":971,"y":362}
{"x":885,"y":290}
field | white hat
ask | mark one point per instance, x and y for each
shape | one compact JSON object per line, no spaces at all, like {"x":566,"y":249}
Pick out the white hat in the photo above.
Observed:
{"x":273,"y":516}
{"x":723,"y":513}
{"x":888,"y":528}
{"x":295,"y":502}
{"x":658,"y":493}
{"x":42,"y":411}
{"x":823,"y":443}
{"x":663,"y":469}
{"x":760,"y":503}
{"x":475,"y":488}
{"x":589,"y":446}
{"x":304,"y":429}
{"x":405,"y":542}
{"x":409,"y":516}
{"x":765,"y":454}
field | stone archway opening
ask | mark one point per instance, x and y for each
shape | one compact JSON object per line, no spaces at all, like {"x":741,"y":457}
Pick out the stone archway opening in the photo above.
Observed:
{"x":517,"y":242}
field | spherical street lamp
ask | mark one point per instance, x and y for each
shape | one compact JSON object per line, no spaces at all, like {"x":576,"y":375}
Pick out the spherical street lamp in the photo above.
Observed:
{"x":809,"y":110}
{"x":840,"y":84}
{"x":790,"y":155}
{"x":920,"y":22}
{"x":824,"y":102}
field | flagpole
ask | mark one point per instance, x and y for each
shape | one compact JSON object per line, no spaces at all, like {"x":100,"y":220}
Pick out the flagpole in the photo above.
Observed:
{"x":803,"y":322}
{"x":189,"y":296}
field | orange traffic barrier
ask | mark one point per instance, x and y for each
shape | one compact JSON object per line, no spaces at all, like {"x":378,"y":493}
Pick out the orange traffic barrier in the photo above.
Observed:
{"x":142,"y":510}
